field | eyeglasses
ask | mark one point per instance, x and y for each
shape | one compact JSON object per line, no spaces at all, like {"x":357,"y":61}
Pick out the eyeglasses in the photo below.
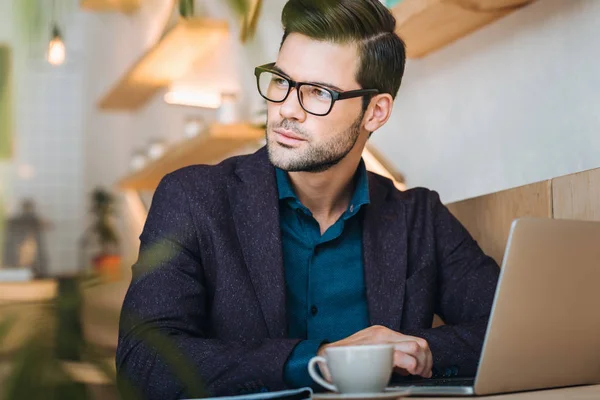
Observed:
{"x":315,"y":99}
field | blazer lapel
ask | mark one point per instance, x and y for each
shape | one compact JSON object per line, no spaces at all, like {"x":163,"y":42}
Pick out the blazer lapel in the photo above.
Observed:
{"x":385,"y":256}
{"x":255,"y":206}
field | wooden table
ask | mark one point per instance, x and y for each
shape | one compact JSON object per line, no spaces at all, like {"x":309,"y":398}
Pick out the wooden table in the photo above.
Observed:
{"x":573,"y":393}
{"x":28,"y":291}
{"x":26,"y":302}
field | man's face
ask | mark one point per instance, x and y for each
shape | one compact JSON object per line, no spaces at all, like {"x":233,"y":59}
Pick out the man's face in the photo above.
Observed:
{"x":297,"y":140}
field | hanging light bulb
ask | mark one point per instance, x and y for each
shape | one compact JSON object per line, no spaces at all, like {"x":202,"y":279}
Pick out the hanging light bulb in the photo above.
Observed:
{"x":56,"y":48}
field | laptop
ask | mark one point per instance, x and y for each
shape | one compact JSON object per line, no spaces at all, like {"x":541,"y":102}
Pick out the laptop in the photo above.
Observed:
{"x":544,"y":329}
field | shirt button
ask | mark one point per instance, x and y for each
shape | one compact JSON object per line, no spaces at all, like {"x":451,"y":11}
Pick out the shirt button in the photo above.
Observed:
{"x":314,"y":310}
{"x":351,"y":207}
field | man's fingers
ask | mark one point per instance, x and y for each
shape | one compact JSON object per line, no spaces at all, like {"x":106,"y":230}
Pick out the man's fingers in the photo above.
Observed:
{"x":405,"y":362}
{"x":325,"y":371}
{"x":421,"y":355}
{"x":429,"y":365}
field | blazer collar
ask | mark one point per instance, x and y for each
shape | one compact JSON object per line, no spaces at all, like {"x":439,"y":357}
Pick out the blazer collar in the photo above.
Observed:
{"x":385,"y":254}
{"x":255,"y":207}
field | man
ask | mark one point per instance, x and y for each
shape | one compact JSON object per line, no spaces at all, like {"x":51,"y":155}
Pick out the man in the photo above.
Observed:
{"x":249,"y":268}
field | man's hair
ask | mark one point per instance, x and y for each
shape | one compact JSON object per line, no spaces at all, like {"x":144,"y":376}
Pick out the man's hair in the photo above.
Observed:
{"x":368,"y":23}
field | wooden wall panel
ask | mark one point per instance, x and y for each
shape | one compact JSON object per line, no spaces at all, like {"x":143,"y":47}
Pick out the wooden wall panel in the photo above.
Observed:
{"x":488,"y":218}
{"x":577,"y":196}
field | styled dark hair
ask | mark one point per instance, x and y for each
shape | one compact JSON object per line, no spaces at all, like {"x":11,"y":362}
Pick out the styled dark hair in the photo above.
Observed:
{"x":368,"y":23}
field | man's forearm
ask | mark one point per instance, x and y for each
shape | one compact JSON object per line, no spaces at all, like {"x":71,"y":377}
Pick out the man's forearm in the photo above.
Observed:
{"x":183,"y":366}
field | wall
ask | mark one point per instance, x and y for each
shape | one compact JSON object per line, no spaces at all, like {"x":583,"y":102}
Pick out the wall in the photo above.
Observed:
{"x":115,"y":41}
{"x":514,"y":103}
{"x":47,"y":163}
{"x":510,"y":104}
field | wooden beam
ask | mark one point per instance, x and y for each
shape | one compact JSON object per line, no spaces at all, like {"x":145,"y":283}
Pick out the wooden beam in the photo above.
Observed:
{"x":428,"y":25}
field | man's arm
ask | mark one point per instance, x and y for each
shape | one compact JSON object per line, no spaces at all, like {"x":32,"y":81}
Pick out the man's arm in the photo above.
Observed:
{"x":467,"y":284}
{"x":164,"y":351}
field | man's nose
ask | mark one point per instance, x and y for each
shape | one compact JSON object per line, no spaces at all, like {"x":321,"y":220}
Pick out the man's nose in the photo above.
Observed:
{"x":291,"y":108}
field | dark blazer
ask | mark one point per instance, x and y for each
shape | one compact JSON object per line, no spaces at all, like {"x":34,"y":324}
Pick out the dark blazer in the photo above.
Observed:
{"x":207,"y":298}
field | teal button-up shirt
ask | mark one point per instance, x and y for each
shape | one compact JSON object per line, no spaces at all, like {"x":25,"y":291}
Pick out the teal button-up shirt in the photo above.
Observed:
{"x":325,"y":287}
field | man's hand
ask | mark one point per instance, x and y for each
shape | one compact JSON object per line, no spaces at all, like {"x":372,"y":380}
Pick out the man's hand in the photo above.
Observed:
{"x":412,"y":355}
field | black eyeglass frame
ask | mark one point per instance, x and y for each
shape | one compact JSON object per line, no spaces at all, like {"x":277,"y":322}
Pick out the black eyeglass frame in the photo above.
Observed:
{"x":335,"y":95}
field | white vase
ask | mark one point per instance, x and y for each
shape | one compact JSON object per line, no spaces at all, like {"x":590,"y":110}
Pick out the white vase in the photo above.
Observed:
{"x":156,"y":149}
{"x":138,"y":160}
{"x":228,"y":112}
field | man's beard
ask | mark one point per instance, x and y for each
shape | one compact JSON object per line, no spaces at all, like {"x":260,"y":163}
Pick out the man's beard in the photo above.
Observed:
{"x":311,"y":159}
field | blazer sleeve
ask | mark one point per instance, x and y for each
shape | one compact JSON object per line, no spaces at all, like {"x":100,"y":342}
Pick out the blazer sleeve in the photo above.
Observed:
{"x":467,"y":280}
{"x":164,"y":349}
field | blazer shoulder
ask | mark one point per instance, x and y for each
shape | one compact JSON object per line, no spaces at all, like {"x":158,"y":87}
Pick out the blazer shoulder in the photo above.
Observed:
{"x":206,"y":176}
{"x":420,"y":195}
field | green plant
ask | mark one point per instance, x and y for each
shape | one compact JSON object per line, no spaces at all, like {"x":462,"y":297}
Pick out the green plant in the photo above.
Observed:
{"x":103,"y":209}
{"x":6,"y":103}
{"x":39,"y":366}
{"x":34,"y":17}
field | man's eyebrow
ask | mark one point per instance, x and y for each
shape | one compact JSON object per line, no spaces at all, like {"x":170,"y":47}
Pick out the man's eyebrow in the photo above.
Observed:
{"x":328,"y":85}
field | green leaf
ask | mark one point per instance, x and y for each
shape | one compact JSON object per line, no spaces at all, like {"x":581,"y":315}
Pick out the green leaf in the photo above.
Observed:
{"x":29,"y":15}
{"x":6,"y":103}
{"x":186,"y":8}
{"x":239,"y":6}
{"x":5,"y":326}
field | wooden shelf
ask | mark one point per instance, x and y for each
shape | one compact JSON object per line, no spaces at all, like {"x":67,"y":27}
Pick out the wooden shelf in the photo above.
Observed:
{"x":217,"y":143}
{"x":428,"y":25}
{"x":376,"y":162}
{"x":170,"y":59}
{"x":125,"y":6}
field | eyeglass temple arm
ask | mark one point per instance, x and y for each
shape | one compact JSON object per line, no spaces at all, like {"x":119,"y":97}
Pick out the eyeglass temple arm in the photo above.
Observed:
{"x":356,"y":93}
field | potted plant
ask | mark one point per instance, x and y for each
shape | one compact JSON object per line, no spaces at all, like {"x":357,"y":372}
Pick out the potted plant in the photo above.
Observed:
{"x":105,"y":255}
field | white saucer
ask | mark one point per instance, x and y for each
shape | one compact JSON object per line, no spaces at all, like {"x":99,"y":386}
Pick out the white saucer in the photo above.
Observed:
{"x":361,"y":396}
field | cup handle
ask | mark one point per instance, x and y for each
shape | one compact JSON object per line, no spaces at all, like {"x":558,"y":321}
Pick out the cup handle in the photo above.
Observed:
{"x":316,"y":376}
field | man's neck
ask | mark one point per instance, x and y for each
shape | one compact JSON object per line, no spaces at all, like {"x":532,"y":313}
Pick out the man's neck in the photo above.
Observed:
{"x":326,"y":194}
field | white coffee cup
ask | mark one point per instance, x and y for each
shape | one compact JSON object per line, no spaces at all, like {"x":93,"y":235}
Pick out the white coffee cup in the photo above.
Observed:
{"x":356,"y":369}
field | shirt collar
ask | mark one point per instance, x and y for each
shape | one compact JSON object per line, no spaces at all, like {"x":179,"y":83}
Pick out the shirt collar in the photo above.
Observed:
{"x":359,"y":198}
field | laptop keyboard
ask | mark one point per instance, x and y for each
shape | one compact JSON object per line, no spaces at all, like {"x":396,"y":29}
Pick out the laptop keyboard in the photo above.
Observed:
{"x":440,"y":382}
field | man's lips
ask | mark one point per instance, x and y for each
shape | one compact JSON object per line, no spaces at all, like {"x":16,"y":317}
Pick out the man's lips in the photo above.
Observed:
{"x":288,"y":136}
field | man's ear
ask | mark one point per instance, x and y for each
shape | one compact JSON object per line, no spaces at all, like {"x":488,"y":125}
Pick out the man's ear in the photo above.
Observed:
{"x":378,"y":112}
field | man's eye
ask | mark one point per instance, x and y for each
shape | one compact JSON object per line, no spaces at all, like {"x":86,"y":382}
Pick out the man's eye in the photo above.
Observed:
{"x":280,"y":81}
{"x":320,"y":93}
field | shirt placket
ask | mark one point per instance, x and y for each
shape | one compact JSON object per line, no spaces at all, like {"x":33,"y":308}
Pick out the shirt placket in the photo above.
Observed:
{"x":313,"y":286}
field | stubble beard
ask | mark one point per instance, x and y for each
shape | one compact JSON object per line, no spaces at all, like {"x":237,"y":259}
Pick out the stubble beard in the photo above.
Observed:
{"x":311,"y":158}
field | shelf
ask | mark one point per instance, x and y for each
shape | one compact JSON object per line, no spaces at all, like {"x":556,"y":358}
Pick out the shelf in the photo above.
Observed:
{"x":217,"y":143}
{"x":124,"y":6}
{"x":377,"y":163}
{"x":171,"y":58}
{"x":428,"y":25}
